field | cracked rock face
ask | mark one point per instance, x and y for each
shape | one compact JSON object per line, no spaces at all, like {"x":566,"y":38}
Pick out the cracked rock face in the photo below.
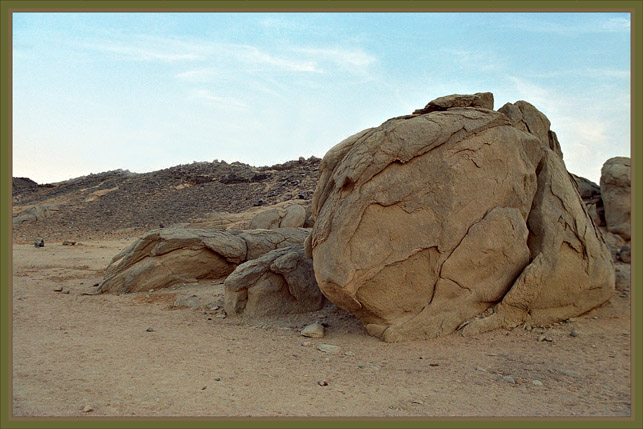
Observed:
{"x":280,"y":282}
{"x":428,"y":221}
{"x":615,"y":192}
{"x":169,"y":256}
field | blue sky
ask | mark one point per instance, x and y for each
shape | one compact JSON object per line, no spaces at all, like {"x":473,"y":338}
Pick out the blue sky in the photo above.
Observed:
{"x":96,"y":92}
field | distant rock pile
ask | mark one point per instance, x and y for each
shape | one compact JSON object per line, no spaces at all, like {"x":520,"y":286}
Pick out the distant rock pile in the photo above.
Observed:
{"x":455,"y":217}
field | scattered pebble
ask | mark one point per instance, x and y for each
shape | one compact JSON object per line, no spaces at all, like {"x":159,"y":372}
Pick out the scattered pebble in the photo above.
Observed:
{"x":204,"y":387}
{"x":417,"y":401}
{"x":66,"y":292}
{"x":217,"y":379}
{"x":568,"y":372}
{"x":314,"y":330}
{"x":537,"y":383}
{"x":573,"y":333}
{"x":220,"y":316}
{"x":349,"y":353}
{"x":88,"y":409}
{"x":149,"y":330}
{"x":328,"y":348}
{"x":307,"y":343}
{"x":479,"y":368}
{"x":58,"y":289}
{"x":509,"y":379}
{"x":322,"y":383}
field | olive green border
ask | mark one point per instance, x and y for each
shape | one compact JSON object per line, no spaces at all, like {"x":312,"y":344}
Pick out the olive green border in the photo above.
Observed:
{"x":635,"y":7}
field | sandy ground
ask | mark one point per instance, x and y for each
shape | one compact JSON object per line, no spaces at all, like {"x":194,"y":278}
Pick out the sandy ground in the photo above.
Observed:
{"x":72,"y":351}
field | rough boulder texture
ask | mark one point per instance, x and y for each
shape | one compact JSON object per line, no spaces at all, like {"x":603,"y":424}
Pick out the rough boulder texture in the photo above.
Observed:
{"x":428,"y":221}
{"x":280,"y":282}
{"x":291,"y":216}
{"x":615,"y":192}
{"x":169,"y":256}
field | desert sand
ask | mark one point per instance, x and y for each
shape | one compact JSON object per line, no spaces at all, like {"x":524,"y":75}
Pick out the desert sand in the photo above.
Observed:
{"x":78,"y":355}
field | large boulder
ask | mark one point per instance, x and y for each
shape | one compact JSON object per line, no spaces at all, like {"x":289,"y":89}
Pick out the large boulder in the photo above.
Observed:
{"x":169,"y":256}
{"x":615,"y":192}
{"x":280,"y":282}
{"x":427,"y":221}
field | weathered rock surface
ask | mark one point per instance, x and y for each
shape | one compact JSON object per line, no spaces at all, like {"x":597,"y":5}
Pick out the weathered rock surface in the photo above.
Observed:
{"x":483,"y":100}
{"x":526,"y":117}
{"x":34,"y":214}
{"x":168,"y":256}
{"x":615,"y":192}
{"x":280,"y":282}
{"x":291,"y":216}
{"x":427,"y":221}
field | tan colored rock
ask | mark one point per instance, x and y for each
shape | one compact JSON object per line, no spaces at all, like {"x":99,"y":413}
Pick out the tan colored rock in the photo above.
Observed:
{"x":280,"y":282}
{"x":527,"y":118}
{"x":169,"y":256}
{"x":288,"y":216}
{"x":425,"y":222}
{"x":616,"y":195}
{"x":483,"y":100}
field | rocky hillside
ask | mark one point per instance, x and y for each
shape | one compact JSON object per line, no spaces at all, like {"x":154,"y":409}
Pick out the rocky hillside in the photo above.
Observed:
{"x":120,"y":203}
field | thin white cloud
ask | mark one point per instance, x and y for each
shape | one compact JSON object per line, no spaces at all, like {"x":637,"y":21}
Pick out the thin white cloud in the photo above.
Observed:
{"x":617,"y":25}
{"x":208,"y":98}
{"x":528,"y":23}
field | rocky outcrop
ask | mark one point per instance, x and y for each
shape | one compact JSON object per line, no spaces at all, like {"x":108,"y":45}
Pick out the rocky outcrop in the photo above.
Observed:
{"x":290,"y":216}
{"x":280,"y":282}
{"x":34,"y":214}
{"x":483,"y":100}
{"x":169,"y":256}
{"x":616,"y":195}
{"x":428,"y":221}
{"x":526,"y":117}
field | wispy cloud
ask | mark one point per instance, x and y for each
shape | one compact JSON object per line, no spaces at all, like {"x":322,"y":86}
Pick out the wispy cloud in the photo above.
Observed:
{"x":529,"y":23}
{"x":208,"y":98}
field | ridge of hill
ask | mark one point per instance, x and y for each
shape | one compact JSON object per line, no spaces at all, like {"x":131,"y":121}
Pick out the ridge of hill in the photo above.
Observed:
{"x":121,"y":203}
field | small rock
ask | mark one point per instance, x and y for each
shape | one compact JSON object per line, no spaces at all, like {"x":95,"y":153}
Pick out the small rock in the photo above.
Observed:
{"x":217,"y":379}
{"x":322,"y":383}
{"x":509,"y":379}
{"x":541,"y":338}
{"x":88,"y":409}
{"x":221,"y":316}
{"x":58,"y":289}
{"x":571,"y":373}
{"x":315,"y":330}
{"x":417,"y":401}
{"x":479,"y":368}
{"x":328,"y":348}
{"x":149,"y":330}
{"x":186,"y":301}
{"x":66,"y":292}
{"x":39,"y":242}
{"x":573,"y":333}
{"x":537,"y":383}
{"x":204,"y":387}
{"x":625,"y":254}
{"x":349,"y":353}
{"x":69,"y":243}
{"x":307,"y":343}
